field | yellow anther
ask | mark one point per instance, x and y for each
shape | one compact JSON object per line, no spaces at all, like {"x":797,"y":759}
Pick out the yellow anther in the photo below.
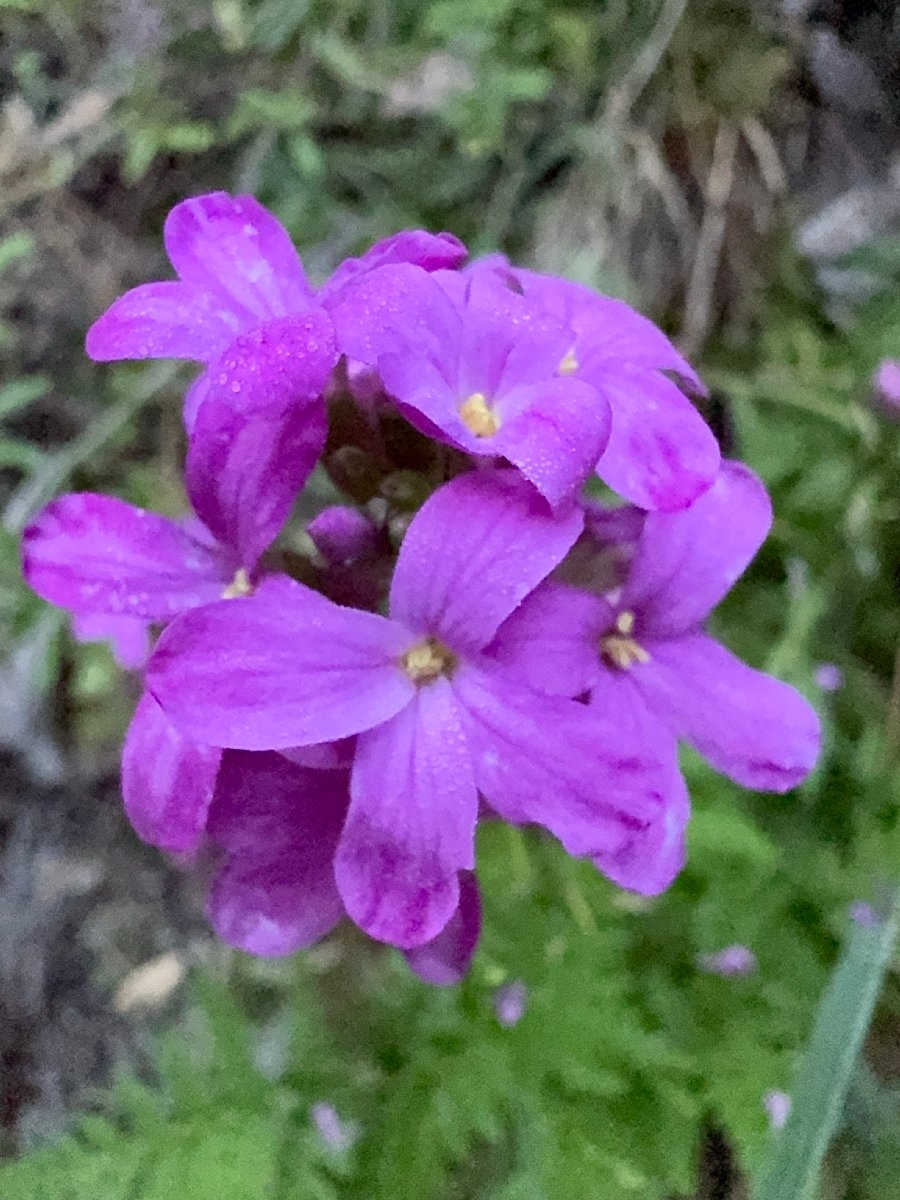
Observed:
{"x":625,"y":623}
{"x":239,"y":586}
{"x":478,"y":417}
{"x":620,"y":648}
{"x":427,"y":661}
{"x":569,"y":364}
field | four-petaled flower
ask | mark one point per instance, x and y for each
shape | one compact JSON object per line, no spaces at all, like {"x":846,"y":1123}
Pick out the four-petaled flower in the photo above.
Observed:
{"x":644,"y":653}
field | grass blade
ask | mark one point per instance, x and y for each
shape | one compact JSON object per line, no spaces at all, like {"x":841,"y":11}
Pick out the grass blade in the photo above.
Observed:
{"x":827,"y":1067}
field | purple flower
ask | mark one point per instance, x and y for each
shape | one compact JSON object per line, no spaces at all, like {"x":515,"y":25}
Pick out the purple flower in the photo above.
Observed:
{"x":279,"y":824}
{"x":338,"y":1135}
{"x":829,"y":677}
{"x":887,"y":386}
{"x":437,"y":721}
{"x":733,"y":961}
{"x":473,"y":364}
{"x":864,"y":914}
{"x":510,"y":1001}
{"x":237,"y":270}
{"x":643,"y":655}
{"x":778,"y":1108}
{"x":660,"y":453}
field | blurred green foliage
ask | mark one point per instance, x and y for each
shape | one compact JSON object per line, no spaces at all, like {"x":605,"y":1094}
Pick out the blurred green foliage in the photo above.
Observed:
{"x":352,"y":119}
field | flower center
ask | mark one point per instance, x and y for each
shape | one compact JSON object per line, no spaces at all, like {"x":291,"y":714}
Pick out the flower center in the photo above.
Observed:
{"x":239,"y":586}
{"x":568,"y":364}
{"x":427,"y":661}
{"x":619,"y":648}
{"x":478,"y":417}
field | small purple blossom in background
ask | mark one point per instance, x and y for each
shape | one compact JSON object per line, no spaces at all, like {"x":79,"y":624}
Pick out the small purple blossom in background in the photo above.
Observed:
{"x":510,"y":1000}
{"x":331,"y":708}
{"x":887,"y":386}
{"x":829,"y":677}
{"x":732,"y":962}
{"x":778,"y":1108}
{"x":864,"y":914}
{"x":337,"y":1134}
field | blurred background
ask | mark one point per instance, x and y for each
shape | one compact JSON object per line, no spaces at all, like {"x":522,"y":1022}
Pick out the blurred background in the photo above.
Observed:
{"x":732,"y":168}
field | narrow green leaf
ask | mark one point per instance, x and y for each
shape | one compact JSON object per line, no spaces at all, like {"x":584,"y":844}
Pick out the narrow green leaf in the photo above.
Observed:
{"x":17,"y":245}
{"x":827,"y":1067}
{"x":19,"y":392}
{"x":51,"y":470}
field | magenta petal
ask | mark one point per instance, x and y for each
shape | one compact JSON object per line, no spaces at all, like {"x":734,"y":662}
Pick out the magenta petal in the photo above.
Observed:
{"x":645,"y":860}
{"x":91,"y":553}
{"x":326,"y":756}
{"x":235,"y":249}
{"x":552,"y":640}
{"x":619,"y":527}
{"x":128,"y":636}
{"x":607,"y":332}
{"x":473,"y":552}
{"x":610,"y":332}
{"x":281,"y":823}
{"x":161,"y":320}
{"x":419,"y":386}
{"x":193,"y":399}
{"x":661,"y":454}
{"x":275,"y":905}
{"x":411,"y":824}
{"x":278,"y":669}
{"x":554,"y":432}
{"x":398,"y":310}
{"x":553,"y":762}
{"x":259,"y":465}
{"x":283,"y":362}
{"x":755,"y":729}
{"x":430,"y":251}
{"x":687,"y":561}
{"x":167,"y":780}
{"x":507,"y":340}
{"x":260,"y":431}
{"x":263,"y":800}
{"x":446,"y":959}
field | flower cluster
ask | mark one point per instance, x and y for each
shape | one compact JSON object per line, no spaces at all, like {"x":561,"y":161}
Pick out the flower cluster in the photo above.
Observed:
{"x":468,"y":637}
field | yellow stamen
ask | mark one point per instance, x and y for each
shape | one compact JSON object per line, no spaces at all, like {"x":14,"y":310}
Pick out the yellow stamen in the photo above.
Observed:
{"x":478,"y":417}
{"x":239,"y":586}
{"x":569,"y":364}
{"x":427,"y":661}
{"x":619,"y":648}
{"x":625,"y":623}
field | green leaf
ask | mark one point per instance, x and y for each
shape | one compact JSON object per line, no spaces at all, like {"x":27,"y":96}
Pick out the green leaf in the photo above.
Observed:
{"x":19,"y":392}
{"x":843,"y":1017}
{"x":17,"y":245}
